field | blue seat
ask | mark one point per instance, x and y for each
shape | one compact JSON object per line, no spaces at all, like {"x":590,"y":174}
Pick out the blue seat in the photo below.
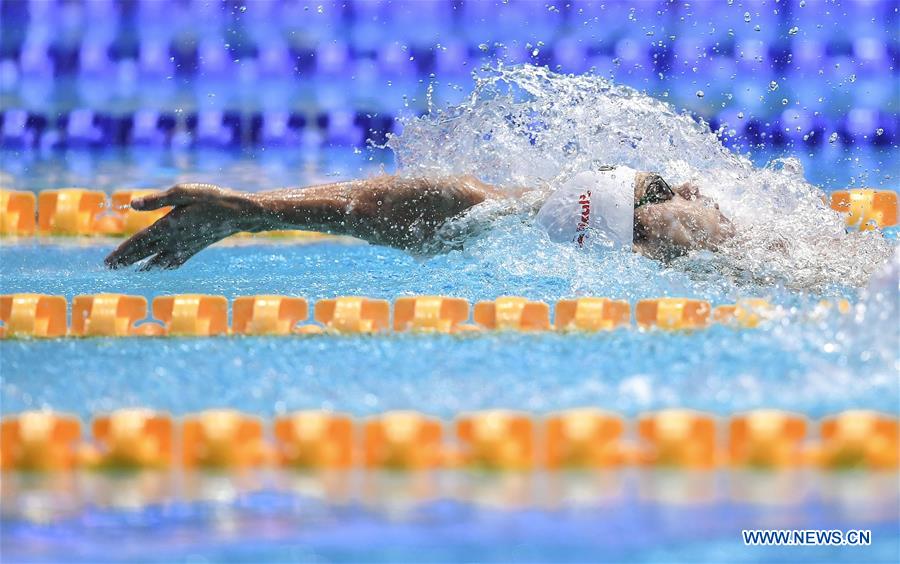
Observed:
{"x":861,"y":124}
{"x":148,"y":127}
{"x":34,"y":60}
{"x":370,"y":27}
{"x":213,"y":59}
{"x":340,"y":128}
{"x":596,"y":20}
{"x":752,"y":55}
{"x":604,"y":65}
{"x":94,"y":58}
{"x":870,"y":18}
{"x":420,"y":24}
{"x":81,"y":128}
{"x":277,"y":128}
{"x":872,"y":53}
{"x":305,"y":26}
{"x":154,"y":59}
{"x":275,"y":59}
{"x":570,"y":55}
{"x":636,"y":67}
{"x":14,"y":132}
{"x":807,"y":56}
{"x":453,"y":59}
{"x":215,"y":128}
{"x":333,"y":57}
{"x":394,"y":61}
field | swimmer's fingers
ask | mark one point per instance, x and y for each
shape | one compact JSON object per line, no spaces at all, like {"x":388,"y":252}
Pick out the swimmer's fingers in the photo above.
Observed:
{"x":162,"y":234}
{"x":168,"y":260}
{"x":178,"y":195}
{"x":177,"y":252}
{"x":140,"y":245}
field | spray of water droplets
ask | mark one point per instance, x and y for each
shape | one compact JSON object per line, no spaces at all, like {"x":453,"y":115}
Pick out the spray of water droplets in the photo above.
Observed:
{"x":527,"y":126}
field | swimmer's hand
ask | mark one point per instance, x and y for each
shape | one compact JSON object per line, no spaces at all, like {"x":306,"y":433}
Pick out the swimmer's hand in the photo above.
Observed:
{"x":202,"y":214}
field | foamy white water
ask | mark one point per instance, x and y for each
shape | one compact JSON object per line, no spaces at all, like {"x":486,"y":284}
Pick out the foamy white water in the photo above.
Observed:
{"x":528,"y":126}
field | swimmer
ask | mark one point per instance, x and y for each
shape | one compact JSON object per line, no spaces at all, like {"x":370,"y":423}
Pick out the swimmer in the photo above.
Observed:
{"x":615,"y":206}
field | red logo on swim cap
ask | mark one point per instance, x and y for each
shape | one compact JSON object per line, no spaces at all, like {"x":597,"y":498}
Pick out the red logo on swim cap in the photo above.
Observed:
{"x":585,"y":202}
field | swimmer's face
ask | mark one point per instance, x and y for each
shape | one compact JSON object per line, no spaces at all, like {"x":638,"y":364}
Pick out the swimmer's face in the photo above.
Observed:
{"x":670,"y":221}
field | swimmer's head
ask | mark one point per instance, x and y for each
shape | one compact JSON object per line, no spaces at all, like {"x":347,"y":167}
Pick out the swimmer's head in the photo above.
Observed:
{"x":670,"y":221}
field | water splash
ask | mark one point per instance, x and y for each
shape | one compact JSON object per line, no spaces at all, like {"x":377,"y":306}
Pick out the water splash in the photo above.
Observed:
{"x":527,"y":126}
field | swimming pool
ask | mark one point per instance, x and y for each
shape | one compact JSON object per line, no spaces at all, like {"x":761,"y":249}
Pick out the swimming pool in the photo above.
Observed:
{"x":812,"y":367}
{"x":259,"y":95}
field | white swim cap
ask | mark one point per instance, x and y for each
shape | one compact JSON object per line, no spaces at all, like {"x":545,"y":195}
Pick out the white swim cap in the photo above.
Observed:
{"x":592,"y":207}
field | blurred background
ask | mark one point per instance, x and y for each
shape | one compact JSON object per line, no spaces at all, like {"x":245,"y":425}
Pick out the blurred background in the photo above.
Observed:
{"x":816,"y":78}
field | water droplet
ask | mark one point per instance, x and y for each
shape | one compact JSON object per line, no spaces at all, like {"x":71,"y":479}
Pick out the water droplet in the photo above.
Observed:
{"x":243,"y":8}
{"x":535,"y":53}
{"x":483,"y":47}
{"x":747,"y":17}
{"x":740,"y":115}
{"x":773,"y":86}
{"x":700,"y":94}
{"x":784,"y":101}
{"x":833,"y":137}
{"x":802,"y":3}
{"x":852,"y":78}
{"x":757,"y":28}
{"x":794,"y":30}
{"x":320,"y":9}
{"x":879,"y":131}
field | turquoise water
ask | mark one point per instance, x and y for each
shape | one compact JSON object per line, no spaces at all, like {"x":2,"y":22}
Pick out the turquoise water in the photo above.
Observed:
{"x":796,"y":364}
{"x":811,"y":366}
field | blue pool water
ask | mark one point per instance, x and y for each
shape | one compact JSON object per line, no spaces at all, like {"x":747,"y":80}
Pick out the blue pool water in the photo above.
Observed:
{"x":811,"y":366}
{"x":796,"y":364}
{"x":606,"y":517}
{"x":270,"y":93}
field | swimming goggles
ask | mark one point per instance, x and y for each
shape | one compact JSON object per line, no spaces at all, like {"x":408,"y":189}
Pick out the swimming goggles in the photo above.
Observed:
{"x":657,"y":191}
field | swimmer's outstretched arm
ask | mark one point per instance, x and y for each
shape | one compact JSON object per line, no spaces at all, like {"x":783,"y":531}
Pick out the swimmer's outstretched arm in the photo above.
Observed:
{"x":384,"y":210}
